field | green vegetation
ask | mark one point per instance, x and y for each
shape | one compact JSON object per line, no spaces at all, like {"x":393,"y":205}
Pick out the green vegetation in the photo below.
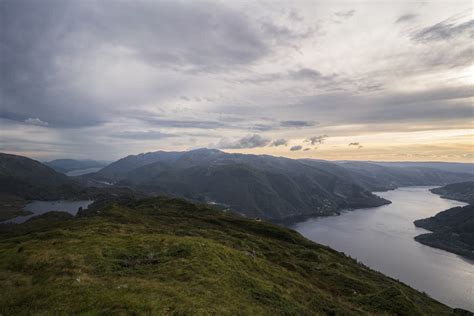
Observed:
{"x":31,"y":180}
{"x":11,"y":206}
{"x":167,"y":256}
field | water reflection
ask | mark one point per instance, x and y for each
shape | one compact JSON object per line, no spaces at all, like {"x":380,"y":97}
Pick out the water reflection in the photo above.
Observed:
{"x":382,"y":238}
{"x":41,"y":207}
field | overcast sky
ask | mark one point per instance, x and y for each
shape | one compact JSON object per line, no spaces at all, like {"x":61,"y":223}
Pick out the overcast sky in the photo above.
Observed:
{"x":320,"y":79}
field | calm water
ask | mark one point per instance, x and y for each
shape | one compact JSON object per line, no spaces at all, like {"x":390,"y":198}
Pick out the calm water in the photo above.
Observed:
{"x":82,"y":171}
{"x":382,"y":238}
{"x":41,"y":207}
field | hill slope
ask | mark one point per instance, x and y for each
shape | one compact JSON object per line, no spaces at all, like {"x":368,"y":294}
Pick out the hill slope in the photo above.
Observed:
{"x":274,"y":188}
{"x":167,"y":256}
{"x":453,"y":230}
{"x":30,"y":179}
{"x":463,"y":191}
{"x":456,"y":167}
{"x":24,"y":179}
{"x":375,"y":177}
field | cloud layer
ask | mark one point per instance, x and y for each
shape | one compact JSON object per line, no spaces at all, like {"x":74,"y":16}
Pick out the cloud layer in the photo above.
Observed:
{"x":105,"y":79}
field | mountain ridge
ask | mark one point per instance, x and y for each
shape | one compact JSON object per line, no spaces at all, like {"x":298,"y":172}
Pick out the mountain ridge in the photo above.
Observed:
{"x":462,"y":191}
{"x":275,"y":188}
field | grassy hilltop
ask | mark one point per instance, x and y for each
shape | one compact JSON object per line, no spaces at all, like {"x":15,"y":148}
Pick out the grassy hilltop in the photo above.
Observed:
{"x":162,"y":256}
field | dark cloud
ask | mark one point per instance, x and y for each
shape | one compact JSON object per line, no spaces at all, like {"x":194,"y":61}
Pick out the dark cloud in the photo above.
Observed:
{"x":220,"y":122}
{"x":345,"y":14}
{"x":296,"y":148}
{"x":420,"y":106}
{"x":42,"y":42}
{"x":297,"y":123}
{"x":295,"y":16}
{"x":444,"y":31}
{"x":198,"y":33}
{"x":250,"y":141}
{"x":406,"y":17}
{"x":356,"y":144}
{"x":317,"y":139}
{"x":263,"y":78}
{"x":279,"y":142}
{"x":47,"y":47}
{"x":162,"y":121}
{"x":84,"y":68}
{"x":283,"y":34}
{"x":140,"y":135}
{"x":306,"y":73}
{"x":261,"y":127}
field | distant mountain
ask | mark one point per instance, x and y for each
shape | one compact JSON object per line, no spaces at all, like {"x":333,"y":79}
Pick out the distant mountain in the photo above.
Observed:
{"x":271,"y":187}
{"x":275,"y":188}
{"x":445,"y":166}
{"x":167,"y":256}
{"x":68,"y":165}
{"x":30,"y":179}
{"x":23,"y":179}
{"x":122,"y":166}
{"x":376,"y":177}
{"x":453,"y":230}
{"x":463,"y":191}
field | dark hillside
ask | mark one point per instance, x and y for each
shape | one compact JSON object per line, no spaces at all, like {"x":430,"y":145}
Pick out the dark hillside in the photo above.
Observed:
{"x":453,"y":230}
{"x":463,"y":191}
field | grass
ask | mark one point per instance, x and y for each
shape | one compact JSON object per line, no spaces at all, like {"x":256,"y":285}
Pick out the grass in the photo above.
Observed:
{"x":167,"y":256}
{"x":11,"y":206}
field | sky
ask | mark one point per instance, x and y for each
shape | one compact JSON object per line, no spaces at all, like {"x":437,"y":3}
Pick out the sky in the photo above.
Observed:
{"x":360,"y":80}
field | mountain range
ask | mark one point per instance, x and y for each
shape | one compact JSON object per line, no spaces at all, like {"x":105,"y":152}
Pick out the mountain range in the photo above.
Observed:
{"x":275,"y":188}
{"x":457,"y":167}
{"x":128,"y":248}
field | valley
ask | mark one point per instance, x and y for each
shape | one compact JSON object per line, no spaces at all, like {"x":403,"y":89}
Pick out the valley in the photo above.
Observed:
{"x":234,"y":193}
{"x":213,"y":157}
{"x":383,"y":238}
